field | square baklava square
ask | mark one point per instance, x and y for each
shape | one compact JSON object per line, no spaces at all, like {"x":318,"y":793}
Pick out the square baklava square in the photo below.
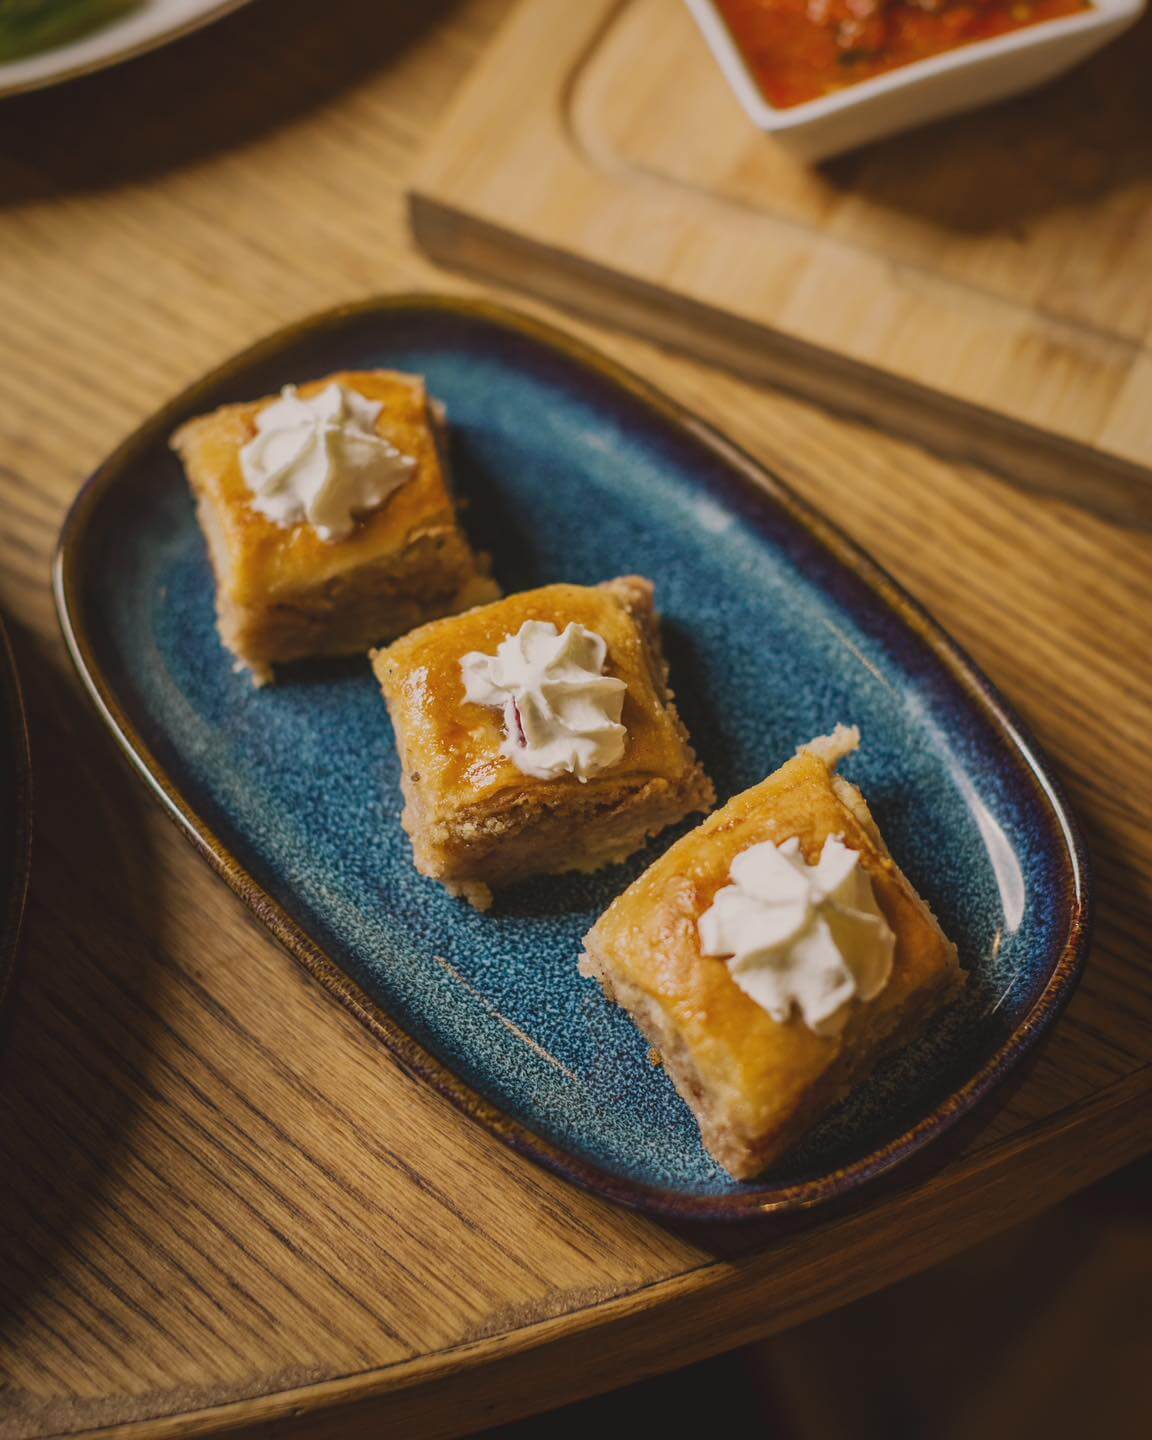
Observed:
{"x":538,"y":735}
{"x":329,"y":518}
{"x":773,"y":956}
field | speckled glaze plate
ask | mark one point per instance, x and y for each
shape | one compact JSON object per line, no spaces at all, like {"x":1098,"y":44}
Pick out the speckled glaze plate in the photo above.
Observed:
{"x":776,"y":627}
{"x":15,"y":811}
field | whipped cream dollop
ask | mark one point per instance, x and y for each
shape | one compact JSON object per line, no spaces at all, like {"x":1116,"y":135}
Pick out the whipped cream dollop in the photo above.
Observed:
{"x":800,"y":935}
{"x":561,"y":712}
{"x":320,"y":460}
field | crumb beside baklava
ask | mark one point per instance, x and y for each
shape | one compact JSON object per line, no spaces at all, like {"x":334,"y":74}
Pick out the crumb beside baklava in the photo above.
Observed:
{"x":773,"y":956}
{"x":329,"y":518}
{"x":538,"y":735}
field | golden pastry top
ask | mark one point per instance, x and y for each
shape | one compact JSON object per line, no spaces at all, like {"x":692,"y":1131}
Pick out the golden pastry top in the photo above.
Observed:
{"x":267,"y":559}
{"x":761,"y":1068}
{"x":451,"y":746}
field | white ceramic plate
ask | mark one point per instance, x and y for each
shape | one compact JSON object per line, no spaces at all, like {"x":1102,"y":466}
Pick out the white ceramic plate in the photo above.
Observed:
{"x":154,"y":23}
{"x":946,"y":84}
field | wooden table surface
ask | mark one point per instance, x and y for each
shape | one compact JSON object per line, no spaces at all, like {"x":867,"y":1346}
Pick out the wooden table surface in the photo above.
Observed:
{"x":222,"y":1210}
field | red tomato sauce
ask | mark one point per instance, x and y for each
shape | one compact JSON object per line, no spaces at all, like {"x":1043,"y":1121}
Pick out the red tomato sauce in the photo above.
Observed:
{"x":801,"y":49}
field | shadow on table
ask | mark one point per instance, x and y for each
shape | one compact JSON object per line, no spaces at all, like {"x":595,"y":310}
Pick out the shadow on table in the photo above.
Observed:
{"x":217,"y":89}
{"x":998,"y":171}
{"x":1043,"y":1330}
{"x":82,"y":1005}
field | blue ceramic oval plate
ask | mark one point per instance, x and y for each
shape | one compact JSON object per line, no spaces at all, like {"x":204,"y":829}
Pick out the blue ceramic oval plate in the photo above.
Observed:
{"x":776,"y":628}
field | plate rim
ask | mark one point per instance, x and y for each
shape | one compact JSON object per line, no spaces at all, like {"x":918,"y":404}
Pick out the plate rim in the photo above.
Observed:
{"x":214,"y":10}
{"x":14,"y":722}
{"x":768,"y":1199}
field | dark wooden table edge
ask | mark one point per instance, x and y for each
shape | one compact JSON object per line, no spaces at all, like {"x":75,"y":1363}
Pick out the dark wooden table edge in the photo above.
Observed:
{"x":13,"y":903}
{"x":686,"y":1317}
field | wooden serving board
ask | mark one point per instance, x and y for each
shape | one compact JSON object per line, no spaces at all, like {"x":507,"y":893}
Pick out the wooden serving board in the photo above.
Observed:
{"x":984,"y":285}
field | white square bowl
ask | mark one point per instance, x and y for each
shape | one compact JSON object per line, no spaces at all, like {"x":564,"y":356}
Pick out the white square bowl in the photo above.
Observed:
{"x":960,"y":79}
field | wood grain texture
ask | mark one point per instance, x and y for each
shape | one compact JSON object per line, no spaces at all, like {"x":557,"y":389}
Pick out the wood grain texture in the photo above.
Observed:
{"x":981,"y":285}
{"x":225,"y":1205}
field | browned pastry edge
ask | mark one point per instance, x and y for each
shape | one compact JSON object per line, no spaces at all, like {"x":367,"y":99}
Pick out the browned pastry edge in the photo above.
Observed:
{"x":434,"y":574}
{"x":745,"y":1156}
{"x":585,"y":830}
{"x":878,"y":1035}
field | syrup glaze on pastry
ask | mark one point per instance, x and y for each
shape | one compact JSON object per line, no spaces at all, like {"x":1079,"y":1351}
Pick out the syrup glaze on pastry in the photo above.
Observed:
{"x":800,"y":936}
{"x":561,"y":712}
{"x":319,"y":460}
{"x":757,"y":1084}
{"x":285,"y":592}
{"x":475,"y":818}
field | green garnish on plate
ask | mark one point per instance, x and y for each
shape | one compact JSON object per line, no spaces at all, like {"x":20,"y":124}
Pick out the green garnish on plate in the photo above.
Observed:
{"x":28,"y":26}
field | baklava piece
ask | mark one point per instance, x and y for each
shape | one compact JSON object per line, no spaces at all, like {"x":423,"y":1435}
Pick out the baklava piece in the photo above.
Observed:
{"x":773,"y":955}
{"x":538,"y":735}
{"x":329,"y":518}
